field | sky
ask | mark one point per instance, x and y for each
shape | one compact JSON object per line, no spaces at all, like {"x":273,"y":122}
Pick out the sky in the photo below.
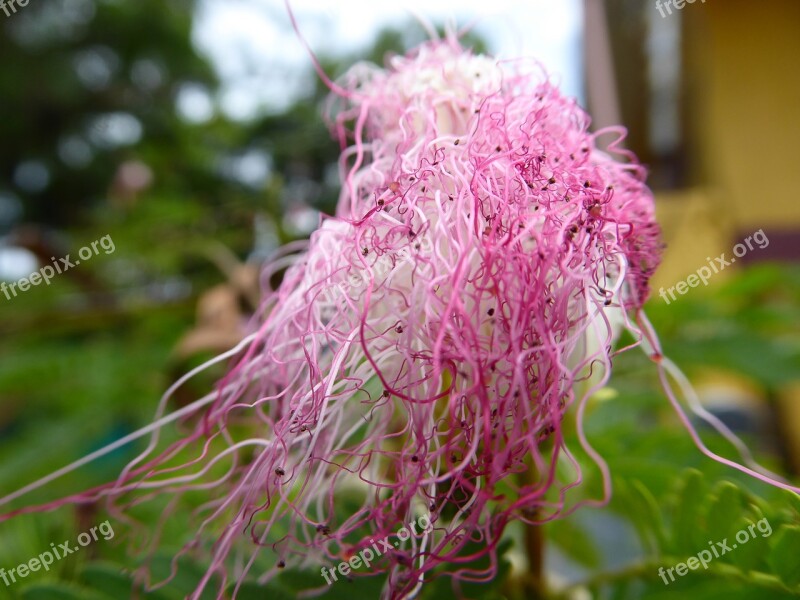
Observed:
{"x":262,"y":63}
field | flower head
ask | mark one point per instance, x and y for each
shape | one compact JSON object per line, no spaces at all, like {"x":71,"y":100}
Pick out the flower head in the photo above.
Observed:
{"x":430,"y":338}
{"x":422,"y":351}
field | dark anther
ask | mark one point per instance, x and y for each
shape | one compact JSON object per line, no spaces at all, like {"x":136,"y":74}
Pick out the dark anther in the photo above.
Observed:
{"x":551,"y":181}
{"x":399,"y":329}
{"x":417,"y":246}
{"x":607,"y":302}
{"x":414,"y":459}
{"x":281,"y":564}
{"x":380,"y":201}
{"x":490,"y":312}
{"x":280,"y":472}
{"x":457,"y":142}
{"x":324,"y":529}
{"x":365,"y":251}
{"x":386,"y":393}
{"x":498,"y":149}
{"x":587,"y":184}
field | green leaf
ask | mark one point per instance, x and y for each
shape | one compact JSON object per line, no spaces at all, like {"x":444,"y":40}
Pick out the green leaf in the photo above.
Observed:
{"x":751,"y":554}
{"x":58,"y":591}
{"x":442,"y":587}
{"x":784,"y":556}
{"x":725,"y":512}
{"x":253,"y":591}
{"x":648,"y":507}
{"x":687,"y":530}
{"x":107,"y":577}
{"x":185,"y":579}
{"x":632,"y":509}
{"x":794,"y":501}
{"x":574,"y":541}
{"x":362,"y":585}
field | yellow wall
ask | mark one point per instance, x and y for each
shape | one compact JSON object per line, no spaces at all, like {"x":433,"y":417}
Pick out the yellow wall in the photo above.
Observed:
{"x":742,"y":108}
{"x":752,"y":103}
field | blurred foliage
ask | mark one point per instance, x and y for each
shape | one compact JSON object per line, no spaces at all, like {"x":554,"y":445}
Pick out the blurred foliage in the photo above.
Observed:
{"x":83,"y":361}
{"x":70,"y":67}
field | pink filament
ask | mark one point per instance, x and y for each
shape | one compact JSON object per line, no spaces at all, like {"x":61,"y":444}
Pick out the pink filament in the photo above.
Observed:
{"x":429,"y":340}
{"x":422,"y":351}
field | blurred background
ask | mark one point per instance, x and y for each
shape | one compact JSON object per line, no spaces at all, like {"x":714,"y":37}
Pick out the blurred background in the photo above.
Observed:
{"x":190,"y":133}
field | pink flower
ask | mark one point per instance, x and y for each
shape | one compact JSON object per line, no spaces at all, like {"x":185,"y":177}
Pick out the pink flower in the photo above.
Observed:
{"x":431,"y":337}
{"x":421,"y":352}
